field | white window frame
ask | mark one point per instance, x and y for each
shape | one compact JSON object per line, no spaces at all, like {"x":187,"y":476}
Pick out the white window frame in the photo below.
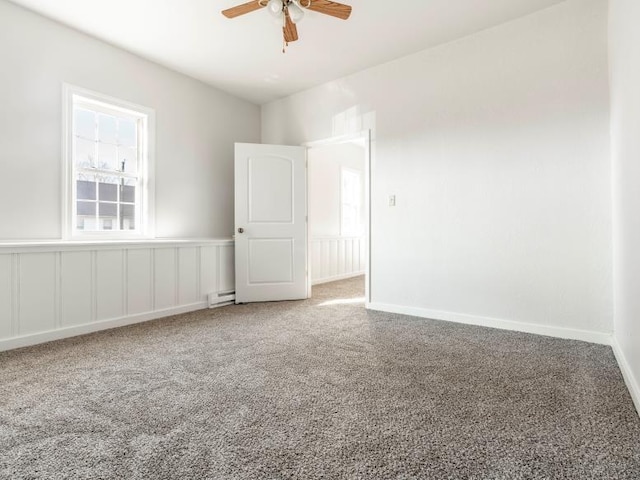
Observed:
{"x":360,"y":228}
{"x":145,"y":220}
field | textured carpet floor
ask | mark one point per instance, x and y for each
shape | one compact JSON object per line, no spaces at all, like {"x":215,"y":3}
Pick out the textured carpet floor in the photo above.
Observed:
{"x":315,"y":389}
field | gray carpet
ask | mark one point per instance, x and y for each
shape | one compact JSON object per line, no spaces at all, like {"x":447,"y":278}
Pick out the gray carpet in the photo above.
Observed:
{"x":315,"y":389}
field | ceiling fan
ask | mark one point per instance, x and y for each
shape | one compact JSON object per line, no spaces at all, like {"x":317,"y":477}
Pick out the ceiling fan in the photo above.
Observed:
{"x":290,"y":12}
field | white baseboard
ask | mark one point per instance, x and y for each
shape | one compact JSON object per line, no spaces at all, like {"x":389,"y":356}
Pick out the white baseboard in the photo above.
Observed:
{"x":601,"y":338}
{"x":627,"y":373}
{"x":335,"y":278}
{"x":59,"y":334}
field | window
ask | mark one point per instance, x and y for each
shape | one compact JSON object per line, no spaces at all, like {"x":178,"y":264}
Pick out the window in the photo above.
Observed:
{"x":351,"y":210}
{"x":107,"y":167}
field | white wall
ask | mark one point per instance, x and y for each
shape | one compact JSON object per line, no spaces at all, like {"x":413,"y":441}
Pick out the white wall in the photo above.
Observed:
{"x":625,"y":122}
{"x":325,"y":183}
{"x":196,"y":128}
{"x":497,"y":147}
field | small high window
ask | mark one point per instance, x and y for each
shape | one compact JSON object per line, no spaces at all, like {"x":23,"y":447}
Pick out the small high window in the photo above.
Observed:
{"x":108,"y":167}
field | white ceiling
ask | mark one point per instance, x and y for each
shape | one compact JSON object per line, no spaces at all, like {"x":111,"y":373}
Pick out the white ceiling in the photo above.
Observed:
{"x":244,"y":56}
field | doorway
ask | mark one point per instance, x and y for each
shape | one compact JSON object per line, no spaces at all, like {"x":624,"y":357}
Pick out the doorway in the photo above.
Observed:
{"x":338,"y":179}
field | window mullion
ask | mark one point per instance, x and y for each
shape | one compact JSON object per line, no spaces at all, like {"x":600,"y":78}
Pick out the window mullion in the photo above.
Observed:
{"x":74,"y":179}
{"x":139,"y":197}
{"x":97,"y":203}
{"x":119,"y":198}
{"x":111,"y":173}
{"x":87,"y":164}
{"x":96,"y":152}
{"x":96,"y":138}
{"x":120,"y":178}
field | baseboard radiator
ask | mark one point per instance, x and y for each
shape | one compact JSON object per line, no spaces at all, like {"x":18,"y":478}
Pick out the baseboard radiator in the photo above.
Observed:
{"x":221,"y":299}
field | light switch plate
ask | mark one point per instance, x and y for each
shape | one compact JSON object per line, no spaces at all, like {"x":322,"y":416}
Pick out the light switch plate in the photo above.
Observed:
{"x":392,"y":200}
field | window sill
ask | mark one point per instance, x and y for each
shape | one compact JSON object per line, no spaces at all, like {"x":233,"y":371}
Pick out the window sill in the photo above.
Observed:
{"x":75,"y":245}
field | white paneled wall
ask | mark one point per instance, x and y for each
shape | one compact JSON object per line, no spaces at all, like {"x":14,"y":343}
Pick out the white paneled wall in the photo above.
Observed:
{"x":334,"y":258}
{"x":6,"y":297}
{"x":57,"y":290}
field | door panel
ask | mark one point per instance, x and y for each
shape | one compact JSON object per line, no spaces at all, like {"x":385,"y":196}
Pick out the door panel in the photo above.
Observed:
{"x":271,"y":190}
{"x":271,"y":260}
{"x":270,"y":222}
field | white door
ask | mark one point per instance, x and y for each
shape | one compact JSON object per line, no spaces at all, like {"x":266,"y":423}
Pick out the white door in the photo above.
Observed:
{"x":270,"y":223}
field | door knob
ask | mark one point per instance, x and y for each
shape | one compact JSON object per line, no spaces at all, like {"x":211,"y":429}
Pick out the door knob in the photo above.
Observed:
{"x":241,"y":230}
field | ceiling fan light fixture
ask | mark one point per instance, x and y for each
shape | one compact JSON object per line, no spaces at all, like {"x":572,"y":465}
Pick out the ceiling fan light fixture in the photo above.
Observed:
{"x":289,"y":12}
{"x":295,"y":12}
{"x":275,"y":8}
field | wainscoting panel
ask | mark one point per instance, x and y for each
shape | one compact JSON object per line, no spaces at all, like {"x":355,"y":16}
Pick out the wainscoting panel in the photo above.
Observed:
{"x":166,"y":281}
{"x":348,"y":263}
{"x":76,"y":278}
{"x":5,"y":296}
{"x":140,"y":276}
{"x":209,"y":271}
{"x":227,"y":273}
{"x":188,"y":276}
{"x":54,"y":290}
{"x":37,"y":297}
{"x":111,"y":294}
{"x":335,"y":258}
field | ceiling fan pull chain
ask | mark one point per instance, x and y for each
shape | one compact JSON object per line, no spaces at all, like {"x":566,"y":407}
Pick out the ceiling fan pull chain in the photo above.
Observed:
{"x":285,"y":44}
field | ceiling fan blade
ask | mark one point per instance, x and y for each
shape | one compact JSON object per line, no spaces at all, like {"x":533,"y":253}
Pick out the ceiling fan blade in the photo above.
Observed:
{"x":289,"y":30}
{"x":242,"y":9}
{"x":328,"y":7}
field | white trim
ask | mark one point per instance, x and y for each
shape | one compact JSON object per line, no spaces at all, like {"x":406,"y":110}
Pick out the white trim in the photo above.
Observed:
{"x":336,"y":237}
{"x":146,"y":204}
{"x":335,"y":278}
{"x":101,"y":98}
{"x":602,"y":338}
{"x":78,"y":246}
{"x":627,"y":373}
{"x":347,"y":138}
{"x":67,"y":153}
{"x":59,"y":334}
{"x":368,"y":179}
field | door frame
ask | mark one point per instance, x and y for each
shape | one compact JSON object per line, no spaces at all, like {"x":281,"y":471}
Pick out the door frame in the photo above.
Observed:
{"x":365,"y":136}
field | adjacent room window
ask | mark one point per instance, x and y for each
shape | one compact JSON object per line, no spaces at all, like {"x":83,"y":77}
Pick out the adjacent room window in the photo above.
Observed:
{"x":108,"y":162}
{"x":351,"y":209}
